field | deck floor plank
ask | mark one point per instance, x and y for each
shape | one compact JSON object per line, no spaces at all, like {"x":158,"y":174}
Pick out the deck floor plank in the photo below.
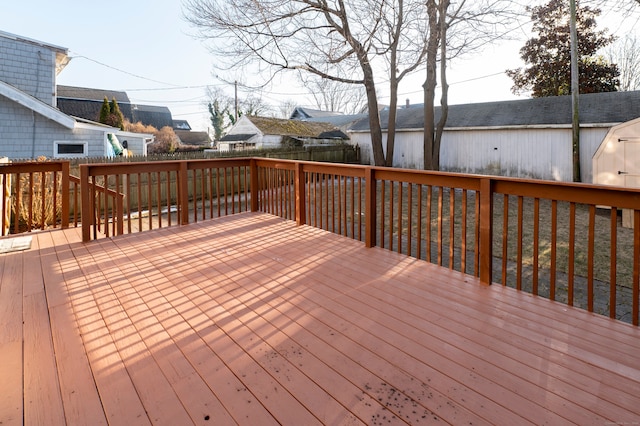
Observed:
{"x":42,"y":398}
{"x":80,"y":397}
{"x":250,"y":319}
{"x":11,"y":336}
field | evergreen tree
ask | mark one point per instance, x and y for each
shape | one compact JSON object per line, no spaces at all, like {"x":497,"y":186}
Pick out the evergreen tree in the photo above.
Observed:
{"x":549,"y":54}
{"x":104,"y":111}
{"x":116,"y":116}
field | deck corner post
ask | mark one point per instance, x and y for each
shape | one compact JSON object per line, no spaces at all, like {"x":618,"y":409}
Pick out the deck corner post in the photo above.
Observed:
{"x":370,"y":208}
{"x":254,"y":184}
{"x":183,"y":196}
{"x":65,"y":195}
{"x":85,"y":203}
{"x":301,"y":213}
{"x":486,"y":230}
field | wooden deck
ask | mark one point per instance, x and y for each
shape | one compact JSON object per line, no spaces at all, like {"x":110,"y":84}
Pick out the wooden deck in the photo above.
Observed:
{"x":249,"y":319}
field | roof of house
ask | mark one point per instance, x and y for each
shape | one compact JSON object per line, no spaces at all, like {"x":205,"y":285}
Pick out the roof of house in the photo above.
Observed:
{"x":72,"y":92}
{"x":335,"y":118}
{"x":595,"y":108}
{"x":237,"y":137}
{"x":86,"y":103}
{"x":189,"y":137}
{"x":181,"y":125}
{"x":302,"y":113}
{"x":296,"y":128}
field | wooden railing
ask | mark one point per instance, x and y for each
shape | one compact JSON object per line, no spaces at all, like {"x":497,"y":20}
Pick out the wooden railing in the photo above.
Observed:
{"x":558,"y":240}
{"x":161,"y":194}
{"x":34,"y":195}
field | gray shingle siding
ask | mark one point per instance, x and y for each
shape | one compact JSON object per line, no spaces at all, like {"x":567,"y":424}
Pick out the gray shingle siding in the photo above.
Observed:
{"x":29,"y":68}
{"x":30,"y":135}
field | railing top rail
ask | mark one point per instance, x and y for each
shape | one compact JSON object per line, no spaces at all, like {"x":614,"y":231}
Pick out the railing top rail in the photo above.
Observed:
{"x":33,"y":166}
{"x":570,"y":192}
{"x":98,"y":169}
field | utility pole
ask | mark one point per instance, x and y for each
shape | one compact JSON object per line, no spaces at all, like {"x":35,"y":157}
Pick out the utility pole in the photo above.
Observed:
{"x":575,"y":89}
{"x":235,"y":84}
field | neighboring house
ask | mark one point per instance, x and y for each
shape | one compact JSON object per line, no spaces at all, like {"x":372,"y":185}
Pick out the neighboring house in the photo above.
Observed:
{"x":30,"y":123}
{"x":181,"y":125}
{"x":251,"y":132}
{"x":530,"y":138}
{"x":190,"y":137}
{"x":86,"y":103}
{"x":337,"y":119}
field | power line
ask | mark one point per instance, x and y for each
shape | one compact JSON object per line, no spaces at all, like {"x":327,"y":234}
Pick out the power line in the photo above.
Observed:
{"x":122,"y":71}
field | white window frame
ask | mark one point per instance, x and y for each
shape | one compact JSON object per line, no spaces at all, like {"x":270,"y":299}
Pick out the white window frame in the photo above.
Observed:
{"x":85,"y":149}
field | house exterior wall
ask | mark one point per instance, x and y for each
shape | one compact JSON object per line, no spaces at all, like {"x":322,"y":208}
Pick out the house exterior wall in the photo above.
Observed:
{"x":269,"y":141}
{"x":29,"y":67}
{"x":540,"y":153}
{"x":26,"y":134}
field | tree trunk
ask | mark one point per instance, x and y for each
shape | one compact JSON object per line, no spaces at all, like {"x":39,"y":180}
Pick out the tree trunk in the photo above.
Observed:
{"x":391,"y":124}
{"x":444,"y":100}
{"x":374,"y":119}
{"x":430,"y":85}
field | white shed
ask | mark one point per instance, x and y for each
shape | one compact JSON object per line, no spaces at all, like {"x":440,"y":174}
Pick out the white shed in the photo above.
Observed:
{"x":617,"y":159}
{"x":530,"y":138}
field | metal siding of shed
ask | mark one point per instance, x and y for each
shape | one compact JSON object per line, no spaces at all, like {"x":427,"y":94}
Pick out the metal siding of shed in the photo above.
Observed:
{"x":526,"y":153}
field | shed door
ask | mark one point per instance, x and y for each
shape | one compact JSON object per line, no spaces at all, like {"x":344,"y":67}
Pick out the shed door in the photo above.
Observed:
{"x":631,"y":169}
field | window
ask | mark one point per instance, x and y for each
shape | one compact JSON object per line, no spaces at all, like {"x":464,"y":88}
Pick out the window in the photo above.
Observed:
{"x":64,"y":149}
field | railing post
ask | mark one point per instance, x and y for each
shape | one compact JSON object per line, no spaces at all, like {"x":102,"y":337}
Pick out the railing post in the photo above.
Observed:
{"x":85,"y":203}
{"x":301,"y":213}
{"x":370,"y":208}
{"x":486,"y":230}
{"x":254,"y":184}
{"x":65,"y":195}
{"x":183,"y":180}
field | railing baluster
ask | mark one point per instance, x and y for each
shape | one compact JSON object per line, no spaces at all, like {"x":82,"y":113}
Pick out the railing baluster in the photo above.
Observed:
{"x":399,"y":231}
{"x":505,"y":237}
{"x":409,"y":217}
{"x":463,"y":237}
{"x":520,"y":237}
{"x":139,"y":186}
{"x":428,"y":227}
{"x":613,"y":264}
{"x":554,"y":245}
{"x":591,"y":251}
{"x":440,"y":224}
{"x":572,"y":245}
{"x":452,"y":223}
{"x":128,"y":194}
{"x":636,"y":267}
{"x":419,"y":223}
{"x":391,"y":212}
{"x":536,"y":244}
{"x":383,"y":185}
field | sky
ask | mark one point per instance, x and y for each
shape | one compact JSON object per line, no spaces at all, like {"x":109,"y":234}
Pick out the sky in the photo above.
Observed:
{"x":146,"y":48}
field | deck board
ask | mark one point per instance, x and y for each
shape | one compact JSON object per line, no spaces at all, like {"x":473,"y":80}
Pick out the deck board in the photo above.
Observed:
{"x":249,"y":319}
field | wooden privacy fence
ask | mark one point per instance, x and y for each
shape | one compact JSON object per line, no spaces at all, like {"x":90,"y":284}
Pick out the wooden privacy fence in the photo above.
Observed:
{"x":558,"y":240}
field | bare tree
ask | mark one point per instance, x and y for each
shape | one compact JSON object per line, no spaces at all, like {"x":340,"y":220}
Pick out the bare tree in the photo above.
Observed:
{"x":626,"y":54}
{"x":402,"y":44}
{"x":455,"y":29}
{"x":286,"y":108}
{"x":335,"y":96}
{"x":331,"y":39}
